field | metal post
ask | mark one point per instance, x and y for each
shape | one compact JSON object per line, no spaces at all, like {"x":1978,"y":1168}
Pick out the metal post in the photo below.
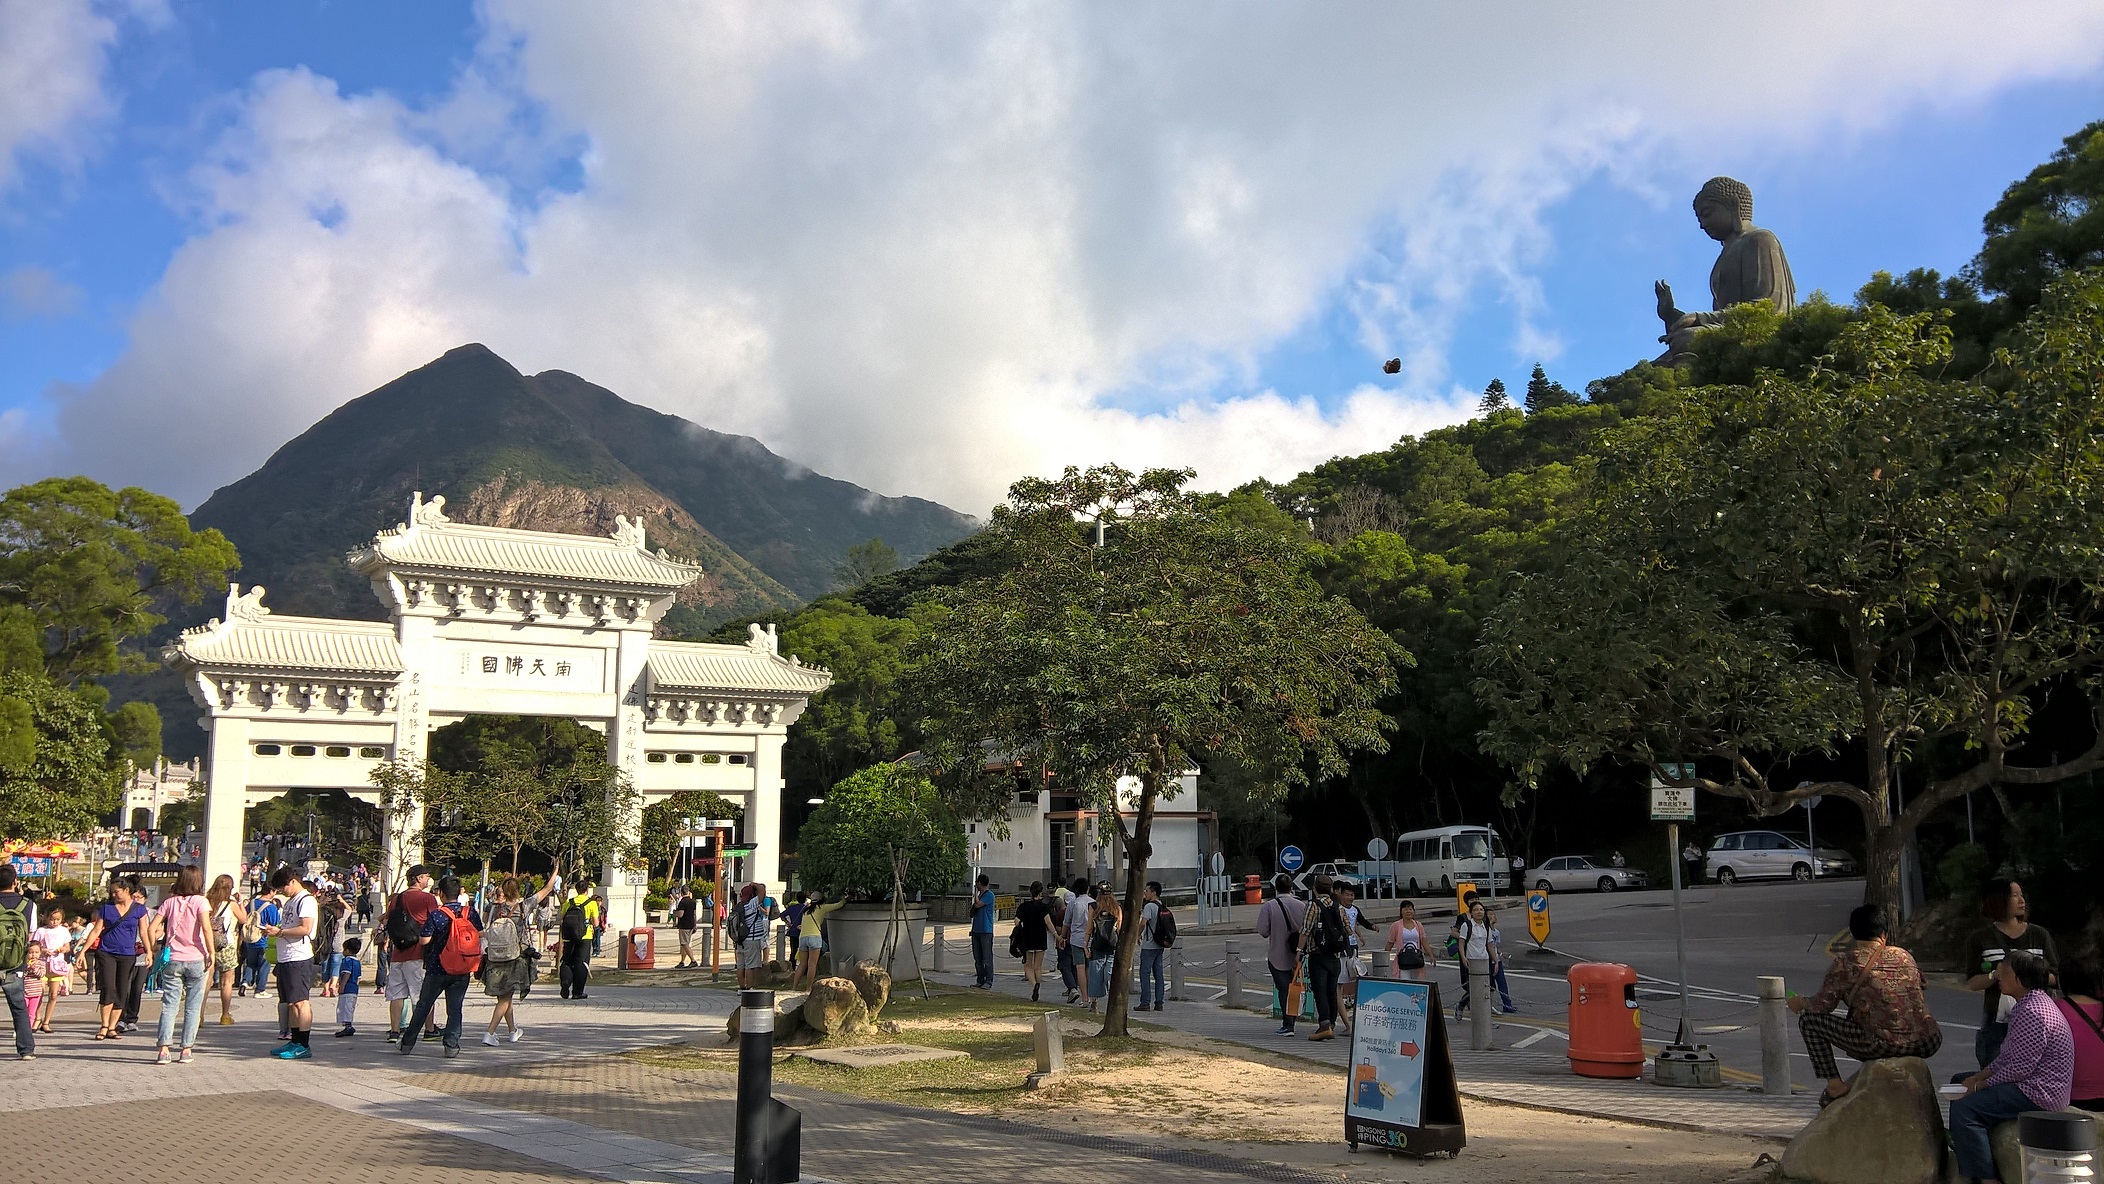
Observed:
{"x":781,"y":944}
{"x":1233,"y":997}
{"x":767,"y":1133}
{"x":1481,"y":1002}
{"x":1381,"y":967}
{"x":1176,"y":974}
{"x":1811,"y":837}
{"x":935,"y":963}
{"x":1775,"y":1035}
{"x":1680,"y":928}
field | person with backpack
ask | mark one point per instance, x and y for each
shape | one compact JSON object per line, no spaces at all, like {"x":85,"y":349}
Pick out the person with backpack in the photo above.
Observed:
{"x":348,"y":968}
{"x":579,"y":926}
{"x":403,"y":925}
{"x":1153,"y":914}
{"x":117,"y":935}
{"x":451,"y":947}
{"x":1279,"y":922}
{"x":228,"y":920}
{"x":751,"y":928}
{"x":507,"y":945}
{"x":1325,"y":943}
{"x":299,"y":916}
{"x":185,"y":929}
{"x":1070,"y":919}
{"x":18,"y":919}
{"x":255,"y":973}
{"x":1106,"y":921}
{"x":1468,"y":943}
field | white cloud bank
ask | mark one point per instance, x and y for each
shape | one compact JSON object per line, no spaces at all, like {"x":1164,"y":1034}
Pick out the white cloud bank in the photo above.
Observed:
{"x":913,"y":246}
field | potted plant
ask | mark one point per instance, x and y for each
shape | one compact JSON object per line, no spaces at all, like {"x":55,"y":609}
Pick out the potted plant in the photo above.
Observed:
{"x":871,"y":819}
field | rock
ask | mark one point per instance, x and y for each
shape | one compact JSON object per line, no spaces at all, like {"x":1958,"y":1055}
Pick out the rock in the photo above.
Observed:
{"x":889,"y":1027}
{"x":788,"y":1018}
{"x":873,"y":982}
{"x":835,"y":1008}
{"x":1887,"y":1129}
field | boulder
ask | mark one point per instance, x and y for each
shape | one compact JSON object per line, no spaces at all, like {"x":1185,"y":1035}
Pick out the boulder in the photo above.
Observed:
{"x":873,"y":982}
{"x":788,"y":1018}
{"x":835,"y":1008}
{"x":1887,"y":1129}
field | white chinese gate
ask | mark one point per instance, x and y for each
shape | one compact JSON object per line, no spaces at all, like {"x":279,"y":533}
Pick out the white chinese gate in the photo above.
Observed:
{"x":490,"y":621}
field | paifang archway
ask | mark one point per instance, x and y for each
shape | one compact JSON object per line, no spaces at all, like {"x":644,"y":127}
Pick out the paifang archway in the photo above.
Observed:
{"x":485,"y":620}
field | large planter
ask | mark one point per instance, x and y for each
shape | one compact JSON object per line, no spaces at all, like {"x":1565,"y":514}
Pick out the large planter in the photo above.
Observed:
{"x":856,"y":933}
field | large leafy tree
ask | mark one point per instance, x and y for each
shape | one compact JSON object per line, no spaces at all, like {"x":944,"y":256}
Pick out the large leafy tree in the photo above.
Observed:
{"x":1864,"y":562}
{"x":61,"y":782}
{"x":879,"y":814}
{"x":1130,"y":632}
{"x":2048,"y":224}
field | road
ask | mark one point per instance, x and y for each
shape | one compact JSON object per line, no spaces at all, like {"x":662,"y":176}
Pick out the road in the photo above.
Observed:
{"x":1734,"y":935}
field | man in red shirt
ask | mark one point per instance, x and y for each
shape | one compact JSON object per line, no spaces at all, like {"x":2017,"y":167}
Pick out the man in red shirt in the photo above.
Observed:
{"x":405,"y":963}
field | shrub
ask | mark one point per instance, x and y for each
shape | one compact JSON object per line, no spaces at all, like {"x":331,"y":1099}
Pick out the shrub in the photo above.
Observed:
{"x":846,"y":846}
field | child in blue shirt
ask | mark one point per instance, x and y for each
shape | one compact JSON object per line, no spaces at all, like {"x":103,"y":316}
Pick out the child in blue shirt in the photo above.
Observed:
{"x":347,"y":987}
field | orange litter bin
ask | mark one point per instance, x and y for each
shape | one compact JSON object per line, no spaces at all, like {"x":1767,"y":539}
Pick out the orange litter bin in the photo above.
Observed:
{"x":1607,"y":1036}
{"x":1253,"y":890}
{"x":639,"y":949}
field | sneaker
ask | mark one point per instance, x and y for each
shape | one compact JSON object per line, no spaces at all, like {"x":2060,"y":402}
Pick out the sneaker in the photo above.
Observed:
{"x":1324,"y":1032}
{"x":393,"y":1035}
{"x":516,"y":1033}
{"x":164,"y":1058}
{"x":452,"y":1050}
{"x":347,"y":1030}
{"x":405,"y":1047}
{"x":25,"y":1056}
{"x":183,"y":1057}
{"x":297,"y":1052}
{"x":1284,"y":1030}
{"x":490,"y":1039}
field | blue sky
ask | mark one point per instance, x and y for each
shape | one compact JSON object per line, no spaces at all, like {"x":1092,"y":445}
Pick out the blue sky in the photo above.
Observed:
{"x":925,"y":254}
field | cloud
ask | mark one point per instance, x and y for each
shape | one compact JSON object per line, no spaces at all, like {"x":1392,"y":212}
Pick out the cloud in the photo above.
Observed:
{"x":35,"y":292}
{"x":918,"y":248}
{"x":53,"y":54}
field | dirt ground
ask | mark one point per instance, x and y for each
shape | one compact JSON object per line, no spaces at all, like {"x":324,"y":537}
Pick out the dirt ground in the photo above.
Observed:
{"x":1188,"y":1092}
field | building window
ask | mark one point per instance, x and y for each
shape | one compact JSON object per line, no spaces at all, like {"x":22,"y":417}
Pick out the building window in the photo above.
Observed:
{"x":685,"y":758}
{"x":737,"y":758}
{"x":338,"y":750}
{"x":372,"y":752}
{"x":655,"y":758}
{"x":303,"y":750}
{"x":711,"y":758}
{"x":268,"y":750}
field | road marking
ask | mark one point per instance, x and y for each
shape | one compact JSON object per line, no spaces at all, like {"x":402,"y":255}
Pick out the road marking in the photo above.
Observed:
{"x":1540,"y":1035}
{"x":1720,"y":1029}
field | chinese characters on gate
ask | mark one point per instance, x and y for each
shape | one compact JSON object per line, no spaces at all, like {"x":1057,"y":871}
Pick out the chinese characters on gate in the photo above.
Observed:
{"x":519,"y":667}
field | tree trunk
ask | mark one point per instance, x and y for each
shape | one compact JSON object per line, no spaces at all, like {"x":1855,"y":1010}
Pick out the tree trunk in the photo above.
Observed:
{"x":1881,"y":858}
{"x":1137,"y":852}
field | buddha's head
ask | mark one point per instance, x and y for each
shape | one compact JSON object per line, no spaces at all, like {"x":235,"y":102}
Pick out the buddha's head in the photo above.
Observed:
{"x":1724,"y":207}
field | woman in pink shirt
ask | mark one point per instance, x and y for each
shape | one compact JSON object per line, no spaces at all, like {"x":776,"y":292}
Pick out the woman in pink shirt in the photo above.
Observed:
{"x":182,"y":924}
{"x":2085,"y":1019}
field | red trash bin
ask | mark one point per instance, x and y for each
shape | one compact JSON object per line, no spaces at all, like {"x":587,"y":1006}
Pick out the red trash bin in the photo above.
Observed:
{"x":1607,"y":1036}
{"x":639,"y":949}
{"x":1253,"y":890}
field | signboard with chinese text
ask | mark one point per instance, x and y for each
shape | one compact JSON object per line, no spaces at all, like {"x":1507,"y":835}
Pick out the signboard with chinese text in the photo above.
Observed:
{"x":1400,"y":1093}
{"x":525,"y":667}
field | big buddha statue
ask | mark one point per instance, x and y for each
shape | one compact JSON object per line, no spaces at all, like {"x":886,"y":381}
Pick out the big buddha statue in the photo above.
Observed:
{"x":1750,"y":268}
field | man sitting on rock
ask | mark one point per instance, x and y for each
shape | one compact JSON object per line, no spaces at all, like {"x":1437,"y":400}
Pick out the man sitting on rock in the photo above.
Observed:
{"x":2034,"y":1070}
{"x":1887,"y":1015}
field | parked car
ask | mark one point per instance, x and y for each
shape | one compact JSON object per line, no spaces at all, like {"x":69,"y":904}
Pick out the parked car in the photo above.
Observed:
{"x":1771,"y":855}
{"x":1336,"y":869}
{"x":1576,"y":873}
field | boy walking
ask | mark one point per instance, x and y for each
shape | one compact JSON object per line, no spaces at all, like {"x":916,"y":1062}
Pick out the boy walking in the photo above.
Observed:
{"x":347,"y":987}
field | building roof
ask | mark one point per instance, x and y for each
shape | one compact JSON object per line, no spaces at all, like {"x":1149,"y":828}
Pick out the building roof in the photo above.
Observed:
{"x":754,"y":667}
{"x":429,"y":541}
{"x":249,"y":637}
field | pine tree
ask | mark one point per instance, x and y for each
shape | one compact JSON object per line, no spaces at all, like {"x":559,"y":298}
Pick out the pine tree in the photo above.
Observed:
{"x":1494,"y":399}
{"x":1542,"y":393}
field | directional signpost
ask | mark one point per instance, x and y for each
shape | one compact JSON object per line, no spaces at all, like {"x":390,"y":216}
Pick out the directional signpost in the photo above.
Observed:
{"x":1674,"y":805}
{"x":1538,"y":917}
{"x":1290,"y":859}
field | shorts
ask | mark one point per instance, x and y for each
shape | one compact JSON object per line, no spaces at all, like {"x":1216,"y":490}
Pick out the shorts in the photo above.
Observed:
{"x":810,"y":943}
{"x":347,"y":1009}
{"x":295,"y":980}
{"x":1351,"y":968}
{"x":405,"y":980}
{"x":686,"y":940}
{"x":1099,"y":977}
{"x":752,"y":954}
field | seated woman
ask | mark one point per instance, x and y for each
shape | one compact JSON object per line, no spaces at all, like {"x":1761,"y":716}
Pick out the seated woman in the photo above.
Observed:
{"x":2033,"y":1071}
{"x":1887,"y":1016}
{"x":2085,"y":1021}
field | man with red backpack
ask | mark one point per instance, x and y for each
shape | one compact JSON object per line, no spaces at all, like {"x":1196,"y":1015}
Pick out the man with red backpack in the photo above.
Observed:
{"x":452,"y":949}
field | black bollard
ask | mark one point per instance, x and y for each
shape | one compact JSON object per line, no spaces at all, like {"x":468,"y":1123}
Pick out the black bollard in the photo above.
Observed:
{"x":769,"y":1133}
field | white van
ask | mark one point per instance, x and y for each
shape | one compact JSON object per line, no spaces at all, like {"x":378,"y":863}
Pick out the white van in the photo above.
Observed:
{"x":1444,"y":856}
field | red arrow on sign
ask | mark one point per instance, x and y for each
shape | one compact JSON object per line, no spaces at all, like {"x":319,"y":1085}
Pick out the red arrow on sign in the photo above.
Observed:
{"x":1407,"y":1048}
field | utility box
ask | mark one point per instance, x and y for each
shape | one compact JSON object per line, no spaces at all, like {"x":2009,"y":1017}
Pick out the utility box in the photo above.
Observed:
{"x":638,"y":949}
{"x":1607,"y":1036}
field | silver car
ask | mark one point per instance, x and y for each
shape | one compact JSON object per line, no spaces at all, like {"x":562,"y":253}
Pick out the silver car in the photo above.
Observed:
{"x":1576,"y":873}
{"x":1772,"y":855}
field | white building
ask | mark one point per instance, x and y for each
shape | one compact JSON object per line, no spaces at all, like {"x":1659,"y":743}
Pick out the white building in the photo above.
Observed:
{"x":1054,"y":837}
{"x":484,"y":620}
{"x":148,"y":791}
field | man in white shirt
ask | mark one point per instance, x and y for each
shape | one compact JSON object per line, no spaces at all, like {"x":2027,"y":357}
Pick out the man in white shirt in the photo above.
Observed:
{"x":298,"y":915}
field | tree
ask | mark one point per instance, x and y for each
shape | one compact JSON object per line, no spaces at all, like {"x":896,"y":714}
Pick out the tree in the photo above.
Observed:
{"x":660,"y":839}
{"x":2048,"y":224}
{"x":62,"y":783}
{"x":589,"y":806}
{"x":852,"y":723}
{"x":849,"y":843}
{"x":1494,"y":399}
{"x":865,"y":562}
{"x":1183,"y":636}
{"x":1543,"y":394}
{"x":1804,"y":583}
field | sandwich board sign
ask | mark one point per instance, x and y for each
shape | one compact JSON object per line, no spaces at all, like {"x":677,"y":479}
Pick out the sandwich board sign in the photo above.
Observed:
{"x":1400,"y":1094}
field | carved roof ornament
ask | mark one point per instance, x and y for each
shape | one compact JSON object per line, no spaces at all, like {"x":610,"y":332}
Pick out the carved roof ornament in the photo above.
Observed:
{"x":431,"y":513}
{"x":629,"y":531}
{"x":761,"y":641}
{"x":245,"y":606}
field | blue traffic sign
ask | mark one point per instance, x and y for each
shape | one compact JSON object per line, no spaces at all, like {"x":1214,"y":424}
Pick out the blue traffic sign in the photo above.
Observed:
{"x":1290,"y":859}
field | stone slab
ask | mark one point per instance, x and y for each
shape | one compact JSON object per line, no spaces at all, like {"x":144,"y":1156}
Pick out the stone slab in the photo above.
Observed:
{"x":872,"y":1056}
